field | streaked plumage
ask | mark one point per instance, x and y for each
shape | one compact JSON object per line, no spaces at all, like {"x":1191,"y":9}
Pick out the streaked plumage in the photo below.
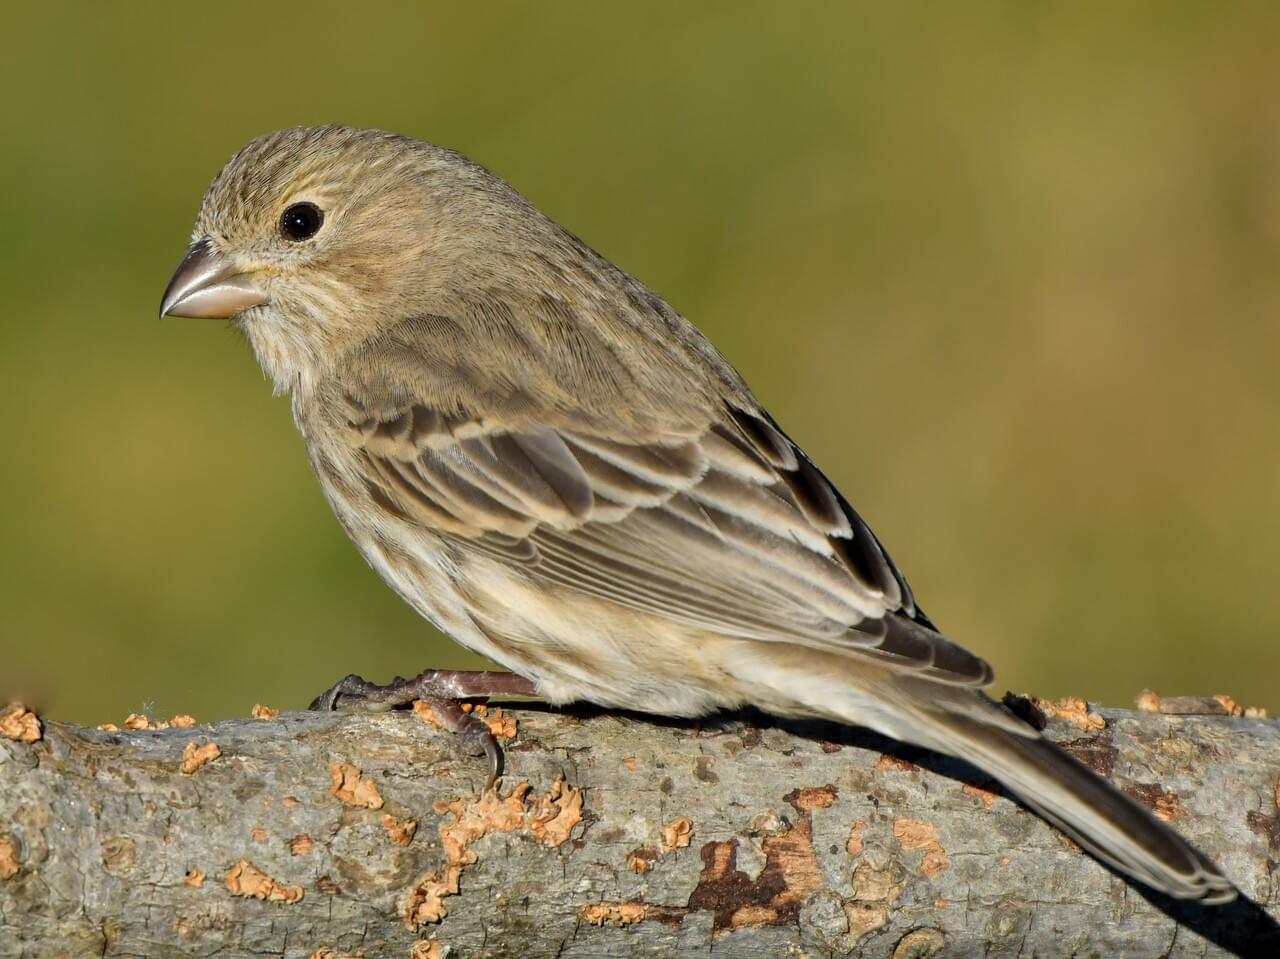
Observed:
{"x":549,"y":463}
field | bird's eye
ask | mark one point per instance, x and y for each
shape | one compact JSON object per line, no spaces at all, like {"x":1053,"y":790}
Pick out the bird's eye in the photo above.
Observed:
{"x":301,"y":221}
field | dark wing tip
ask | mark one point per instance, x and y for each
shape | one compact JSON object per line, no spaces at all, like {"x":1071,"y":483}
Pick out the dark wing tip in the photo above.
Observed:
{"x":822,"y":503}
{"x":944,"y":660}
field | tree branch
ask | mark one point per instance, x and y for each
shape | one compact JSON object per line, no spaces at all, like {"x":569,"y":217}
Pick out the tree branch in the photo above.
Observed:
{"x":613,"y":836}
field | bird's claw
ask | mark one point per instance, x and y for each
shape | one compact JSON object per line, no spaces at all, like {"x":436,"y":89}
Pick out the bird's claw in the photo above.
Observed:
{"x":352,"y":686}
{"x":474,"y":734}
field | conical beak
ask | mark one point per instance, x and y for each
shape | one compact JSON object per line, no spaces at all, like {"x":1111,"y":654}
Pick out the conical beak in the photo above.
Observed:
{"x":206,"y":285}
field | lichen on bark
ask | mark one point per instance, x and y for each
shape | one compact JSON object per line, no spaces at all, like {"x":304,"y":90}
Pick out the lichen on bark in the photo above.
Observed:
{"x":610,"y":836}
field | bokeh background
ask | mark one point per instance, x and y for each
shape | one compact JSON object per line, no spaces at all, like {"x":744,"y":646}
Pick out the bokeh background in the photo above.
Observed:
{"x":1008,"y":272}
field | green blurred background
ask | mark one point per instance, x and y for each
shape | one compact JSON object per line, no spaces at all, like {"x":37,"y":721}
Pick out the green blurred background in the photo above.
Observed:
{"x":1008,"y":272}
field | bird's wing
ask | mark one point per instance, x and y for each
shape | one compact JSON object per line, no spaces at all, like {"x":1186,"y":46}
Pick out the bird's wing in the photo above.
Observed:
{"x":731,"y":530}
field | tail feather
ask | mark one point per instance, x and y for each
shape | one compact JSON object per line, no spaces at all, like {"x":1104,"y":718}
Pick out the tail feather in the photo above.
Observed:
{"x":1090,"y":810}
{"x":962,"y":722}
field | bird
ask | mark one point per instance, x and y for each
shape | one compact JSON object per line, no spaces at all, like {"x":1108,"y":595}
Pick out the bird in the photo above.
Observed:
{"x":557,"y":470}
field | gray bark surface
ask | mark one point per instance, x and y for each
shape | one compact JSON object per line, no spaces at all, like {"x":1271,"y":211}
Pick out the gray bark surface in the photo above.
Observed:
{"x":797,"y":840}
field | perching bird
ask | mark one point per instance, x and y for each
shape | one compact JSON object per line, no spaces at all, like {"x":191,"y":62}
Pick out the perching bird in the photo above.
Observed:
{"x":557,"y":470}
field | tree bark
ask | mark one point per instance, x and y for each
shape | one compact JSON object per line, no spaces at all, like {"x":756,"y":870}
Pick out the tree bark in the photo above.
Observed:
{"x":612,"y":836}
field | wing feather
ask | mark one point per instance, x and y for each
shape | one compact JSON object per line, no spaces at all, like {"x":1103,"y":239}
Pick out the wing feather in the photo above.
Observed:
{"x":735,"y":532}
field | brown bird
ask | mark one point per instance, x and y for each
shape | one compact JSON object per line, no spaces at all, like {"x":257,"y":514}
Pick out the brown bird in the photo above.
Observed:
{"x":556,"y":469}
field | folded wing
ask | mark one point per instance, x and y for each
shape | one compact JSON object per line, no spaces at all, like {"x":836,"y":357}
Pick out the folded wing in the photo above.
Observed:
{"x":734,"y":532}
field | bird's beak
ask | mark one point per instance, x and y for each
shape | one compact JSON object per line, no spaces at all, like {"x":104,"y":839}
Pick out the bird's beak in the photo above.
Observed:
{"x":207,"y":285}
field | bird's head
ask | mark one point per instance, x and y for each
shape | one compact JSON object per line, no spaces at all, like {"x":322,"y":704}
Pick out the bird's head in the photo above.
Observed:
{"x":315,"y":239}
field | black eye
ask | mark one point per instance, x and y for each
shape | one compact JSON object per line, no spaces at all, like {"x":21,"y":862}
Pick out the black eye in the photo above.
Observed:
{"x":301,"y":221}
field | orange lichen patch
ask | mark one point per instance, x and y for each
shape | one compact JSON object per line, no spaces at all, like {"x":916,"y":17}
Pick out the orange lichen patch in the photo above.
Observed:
{"x":1232,"y":708}
{"x":20,"y":724}
{"x":641,"y":860}
{"x":941,"y":903}
{"x":425,"y":902}
{"x":426,"y":712}
{"x":630,"y":763}
{"x":1147,"y":701}
{"x":300,"y":845}
{"x":194,"y":878}
{"x":812,"y":797}
{"x":259,"y":835}
{"x":893,"y":762}
{"x":501,"y":726}
{"x":328,"y":952}
{"x":1074,"y":710}
{"x":755,"y":916}
{"x":247,"y":880}
{"x":427,"y":950}
{"x":549,"y":818}
{"x":1003,"y":861}
{"x":10,"y":864}
{"x":1229,"y":705}
{"x":1169,"y":808}
{"x":875,"y":891}
{"x":263,"y":712}
{"x":612,"y":913}
{"x":985,"y":796}
{"x":193,"y":757}
{"x":794,"y":855}
{"x":914,"y":834}
{"x":401,"y":831}
{"x":289,"y":802}
{"x":349,"y":787}
{"x":555,"y":813}
{"x":853,"y":846}
{"x":139,"y":721}
{"x":790,"y":875}
{"x":108,"y":727}
{"x":328,"y":886}
{"x":675,"y":835}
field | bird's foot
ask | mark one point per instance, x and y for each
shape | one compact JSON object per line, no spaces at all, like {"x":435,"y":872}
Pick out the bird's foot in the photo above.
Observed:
{"x":355,"y":691}
{"x":443,"y":690}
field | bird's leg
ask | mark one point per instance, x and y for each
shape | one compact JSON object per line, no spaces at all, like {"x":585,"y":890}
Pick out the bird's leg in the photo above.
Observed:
{"x":442,"y":688}
{"x":432,"y":684}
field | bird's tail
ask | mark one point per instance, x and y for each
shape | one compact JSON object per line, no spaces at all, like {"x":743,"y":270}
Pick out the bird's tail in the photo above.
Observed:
{"x":1090,"y":810}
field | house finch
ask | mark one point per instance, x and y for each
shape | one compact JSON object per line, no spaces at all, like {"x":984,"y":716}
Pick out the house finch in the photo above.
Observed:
{"x":556,"y":469}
